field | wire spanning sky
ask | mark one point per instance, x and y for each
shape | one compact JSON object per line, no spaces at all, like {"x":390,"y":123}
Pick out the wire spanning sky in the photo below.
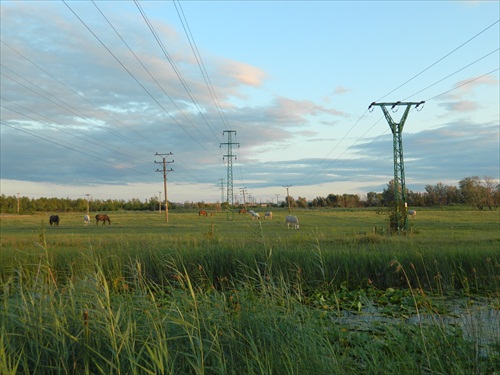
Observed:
{"x":91,"y":90}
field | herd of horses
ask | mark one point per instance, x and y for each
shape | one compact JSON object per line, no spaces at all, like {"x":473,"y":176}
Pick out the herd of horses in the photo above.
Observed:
{"x":54,"y":219}
{"x":253,"y":214}
{"x":290,"y":220}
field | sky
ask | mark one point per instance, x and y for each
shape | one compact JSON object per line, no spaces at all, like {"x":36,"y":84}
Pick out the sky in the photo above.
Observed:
{"x":92,"y":91}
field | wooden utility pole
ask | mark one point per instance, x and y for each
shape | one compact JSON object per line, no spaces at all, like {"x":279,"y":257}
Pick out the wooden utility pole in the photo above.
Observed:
{"x":288,"y":197}
{"x":165,"y":171}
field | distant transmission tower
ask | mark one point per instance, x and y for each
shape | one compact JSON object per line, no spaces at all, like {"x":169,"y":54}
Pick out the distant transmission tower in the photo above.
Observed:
{"x":229,"y":156}
{"x":164,"y":162}
{"x":399,"y":220}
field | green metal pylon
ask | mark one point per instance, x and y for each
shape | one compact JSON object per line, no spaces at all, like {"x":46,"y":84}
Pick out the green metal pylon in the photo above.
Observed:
{"x":230,"y":156}
{"x":399,"y":221}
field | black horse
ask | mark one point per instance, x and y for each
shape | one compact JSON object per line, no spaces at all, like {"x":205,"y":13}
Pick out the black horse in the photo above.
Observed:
{"x":103,"y":218}
{"x":54,"y":219}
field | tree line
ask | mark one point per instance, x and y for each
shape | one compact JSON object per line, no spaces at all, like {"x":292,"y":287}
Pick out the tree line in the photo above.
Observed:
{"x":472,"y":191}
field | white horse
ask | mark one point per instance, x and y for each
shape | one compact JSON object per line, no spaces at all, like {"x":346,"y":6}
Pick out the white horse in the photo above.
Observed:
{"x":292,"y":220}
{"x":86,"y":220}
{"x":255,"y":215}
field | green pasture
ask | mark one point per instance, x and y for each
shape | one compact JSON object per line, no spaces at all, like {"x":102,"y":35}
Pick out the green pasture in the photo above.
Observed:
{"x":428,"y":225}
{"x":231,"y":295}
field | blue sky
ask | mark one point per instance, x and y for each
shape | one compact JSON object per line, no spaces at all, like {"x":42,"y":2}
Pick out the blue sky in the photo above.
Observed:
{"x":90,"y":92}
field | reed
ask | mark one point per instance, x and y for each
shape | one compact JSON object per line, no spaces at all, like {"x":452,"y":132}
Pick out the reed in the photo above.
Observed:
{"x":112,"y":301}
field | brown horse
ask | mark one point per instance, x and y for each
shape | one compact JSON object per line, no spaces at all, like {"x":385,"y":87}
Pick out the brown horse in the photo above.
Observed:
{"x":103,"y":218}
{"x":54,"y":219}
{"x":202,"y":213}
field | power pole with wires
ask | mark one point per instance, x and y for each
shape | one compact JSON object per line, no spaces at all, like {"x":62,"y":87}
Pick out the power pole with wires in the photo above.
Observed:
{"x":164,"y":171}
{"x":399,"y":220}
{"x":243,"y":191}
{"x":288,"y":197}
{"x":229,"y":156}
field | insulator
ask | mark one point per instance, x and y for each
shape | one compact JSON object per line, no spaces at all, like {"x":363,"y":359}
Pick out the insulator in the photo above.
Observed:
{"x":395,"y":106}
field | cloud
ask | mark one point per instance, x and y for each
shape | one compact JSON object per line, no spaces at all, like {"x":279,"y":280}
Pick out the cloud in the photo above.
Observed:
{"x":339,"y":90}
{"x":461,"y":106}
{"x":466,"y":88}
{"x":243,"y":73}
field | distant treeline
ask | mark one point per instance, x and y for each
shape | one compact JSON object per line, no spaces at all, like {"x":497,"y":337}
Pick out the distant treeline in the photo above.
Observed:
{"x":472,"y":191}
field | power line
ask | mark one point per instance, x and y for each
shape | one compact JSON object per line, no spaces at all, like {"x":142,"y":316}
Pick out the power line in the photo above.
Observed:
{"x":147,"y":70}
{"x":72,"y":90}
{"x":452,"y":74}
{"x":61,"y":143}
{"x":131,"y":75}
{"x":174,"y":67}
{"x":430,"y":66}
{"x":464,"y":84}
{"x":441,"y":59}
{"x":55,"y":127}
{"x":199,"y":60}
{"x":71,"y":109}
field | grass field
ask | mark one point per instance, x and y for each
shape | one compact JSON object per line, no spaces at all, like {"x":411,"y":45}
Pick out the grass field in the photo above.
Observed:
{"x":208,"y":295}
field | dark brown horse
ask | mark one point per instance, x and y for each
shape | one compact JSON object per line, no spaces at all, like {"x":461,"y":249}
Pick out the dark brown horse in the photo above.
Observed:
{"x":54,"y":219}
{"x":103,"y":218}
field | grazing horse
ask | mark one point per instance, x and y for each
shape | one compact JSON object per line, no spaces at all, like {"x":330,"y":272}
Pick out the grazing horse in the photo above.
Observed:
{"x":268,"y":215}
{"x":103,"y":218}
{"x":202,"y":213}
{"x":242,"y":211}
{"x":86,"y":220}
{"x":54,"y":219}
{"x":293,"y":221}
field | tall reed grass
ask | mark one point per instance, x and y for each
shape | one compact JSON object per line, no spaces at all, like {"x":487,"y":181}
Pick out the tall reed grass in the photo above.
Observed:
{"x":282,"y":304}
{"x":207,"y":313}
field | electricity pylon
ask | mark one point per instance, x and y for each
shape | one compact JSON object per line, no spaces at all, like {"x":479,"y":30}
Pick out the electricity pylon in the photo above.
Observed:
{"x":399,"y":221}
{"x":165,"y":171}
{"x":229,"y":156}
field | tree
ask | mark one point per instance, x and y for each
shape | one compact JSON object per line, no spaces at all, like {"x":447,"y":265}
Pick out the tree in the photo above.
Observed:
{"x":490,"y":188}
{"x":290,"y":202}
{"x":416,"y":199}
{"x":332,"y":200}
{"x":302,"y":202}
{"x":473,"y":192}
{"x":319,"y":202}
{"x":373,"y":199}
{"x":350,"y":200}
{"x":388,"y":197}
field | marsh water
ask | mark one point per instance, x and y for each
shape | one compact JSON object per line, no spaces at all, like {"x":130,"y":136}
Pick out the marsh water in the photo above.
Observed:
{"x":477,"y":321}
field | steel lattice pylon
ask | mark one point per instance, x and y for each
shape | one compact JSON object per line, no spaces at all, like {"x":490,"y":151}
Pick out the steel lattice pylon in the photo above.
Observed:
{"x":229,"y":156}
{"x":399,"y":222}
